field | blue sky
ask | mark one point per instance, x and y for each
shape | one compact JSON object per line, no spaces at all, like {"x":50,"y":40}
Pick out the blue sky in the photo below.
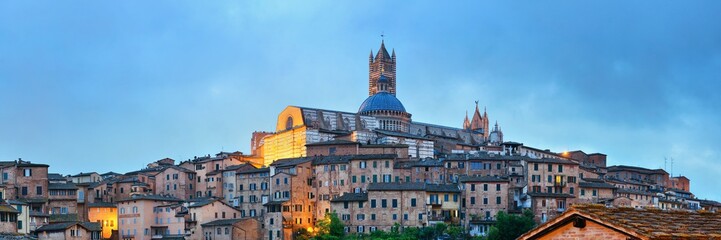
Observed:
{"x":101,"y":86}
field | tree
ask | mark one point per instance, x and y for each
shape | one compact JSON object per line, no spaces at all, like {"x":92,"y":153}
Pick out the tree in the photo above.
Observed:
{"x":330,"y":227}
{"x":509,"y":227}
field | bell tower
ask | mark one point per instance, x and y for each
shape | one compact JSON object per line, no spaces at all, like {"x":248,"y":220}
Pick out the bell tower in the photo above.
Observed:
{"x":382,"y":64}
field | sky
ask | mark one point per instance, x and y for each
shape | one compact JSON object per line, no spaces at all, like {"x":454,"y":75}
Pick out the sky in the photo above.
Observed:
{"x":113,"y":85}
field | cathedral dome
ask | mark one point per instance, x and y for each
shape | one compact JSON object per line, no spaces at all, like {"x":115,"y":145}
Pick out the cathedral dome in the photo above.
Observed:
{"x":381,"y":101}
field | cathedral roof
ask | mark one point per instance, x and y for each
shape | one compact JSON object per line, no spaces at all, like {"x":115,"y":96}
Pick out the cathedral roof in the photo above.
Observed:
{"x":381,"y":101}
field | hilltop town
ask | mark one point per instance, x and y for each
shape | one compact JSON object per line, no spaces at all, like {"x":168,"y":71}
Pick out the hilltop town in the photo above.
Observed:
{"x":374,"y":168}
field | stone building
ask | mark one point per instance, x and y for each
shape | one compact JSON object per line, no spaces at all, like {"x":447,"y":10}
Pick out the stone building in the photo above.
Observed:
{"x":208,"y":170}
{"x":592,"y":190}
{"x":657,"y":178}
{"x":291,"y":205}
{"x":175,"y":181}
{"x":232,"y":229}
{"x":206,"y":210}
{"x":8,"y":218}
{"x":681,"y":182}
{"x":136,"y":214}
{"x":69,"y":230}
{"x":63,"y":198}
{"x":252,"y":191}
{"x":25,"y":181}
{"x":86,"y":177}
{"x":552,"y":186}
{"x":483,"y":198}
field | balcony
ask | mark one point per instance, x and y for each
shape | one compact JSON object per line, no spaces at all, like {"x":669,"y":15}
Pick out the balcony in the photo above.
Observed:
{"x":559,"y":184}
{"x":435,"y":203}
{"x":482,"y":219}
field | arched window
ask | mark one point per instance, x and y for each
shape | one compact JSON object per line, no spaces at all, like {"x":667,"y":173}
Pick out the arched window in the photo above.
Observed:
{"x":289,"y":123}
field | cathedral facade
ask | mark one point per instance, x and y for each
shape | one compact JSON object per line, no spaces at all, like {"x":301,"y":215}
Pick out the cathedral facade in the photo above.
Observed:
{"x":381,"y":119}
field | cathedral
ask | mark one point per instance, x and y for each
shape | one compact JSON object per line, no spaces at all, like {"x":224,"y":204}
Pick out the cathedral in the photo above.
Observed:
{"x":381,"y":121}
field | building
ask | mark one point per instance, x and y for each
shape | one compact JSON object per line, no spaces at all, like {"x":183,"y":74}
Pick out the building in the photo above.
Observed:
{"x":8,"y":218}
{"x":70,"y":230}
{"x":291,"y":204}
{"x":23,"y":216}
{"x":251,"y":191}
{"x":232,"y":229}
{"x":598,"y":222}
{"x":380,"y":120}
{"x":552,"y":183}
{"x":175,"y":181}
{"x":86,"y":177}
{"x":483,"y":198}
{"x":656,"y":178}
{"x":25,"y":181}
{"x":63,"y":198}
{"x":136,"y":215}
{"x":105,"y":214}
{"x":202,"y":211}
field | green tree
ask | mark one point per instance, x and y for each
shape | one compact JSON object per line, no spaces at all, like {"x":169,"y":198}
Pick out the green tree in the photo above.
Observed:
{"x":330,"y":227}
{"x":509,"y":226}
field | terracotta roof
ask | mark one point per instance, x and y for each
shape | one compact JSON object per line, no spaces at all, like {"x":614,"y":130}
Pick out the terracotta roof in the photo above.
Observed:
{"x":550,"y":160}
{"x":413,"y":186}
{"x":645,"y":223}
{"x":333,"y":142}
{"x":221,"y":222}
{"x":62,"y":186}
{"x":596,"y":185}
{"x":352,"y":197}
{"x":481,"y":179}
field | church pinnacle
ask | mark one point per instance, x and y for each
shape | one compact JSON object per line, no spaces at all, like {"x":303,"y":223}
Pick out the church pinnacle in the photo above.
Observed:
{"x":383,"y":64}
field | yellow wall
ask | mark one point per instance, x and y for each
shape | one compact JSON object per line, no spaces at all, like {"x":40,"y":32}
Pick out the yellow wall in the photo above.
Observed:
{"x":286,"y":144}
{"x":290,"y":111}
{"x":108,"y":217}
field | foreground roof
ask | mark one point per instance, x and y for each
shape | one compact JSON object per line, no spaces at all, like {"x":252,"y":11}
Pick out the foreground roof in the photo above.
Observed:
{"x":639,"y":223}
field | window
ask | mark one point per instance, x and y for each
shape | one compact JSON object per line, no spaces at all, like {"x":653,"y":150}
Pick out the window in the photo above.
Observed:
{"x":373,"y":203}
{"x":27,"y":172}
{"x":24,"y":190}
{"x":473,"y":200}
{"x":39,"y":190}
{"x":594,"y":192}
{"x":485,"y":200}
{"x":560,"y":168}
{"x":498,"y":166}
{"x":535,"y":166}
{"x":394,"y":203}
{"x":498,"y":200}
{"x":583,"y":192}
{"x":485,"y":187}
{"x":473,"y":187}
{"x":384,"y":203}
{"x":360,"y":217}
{"x":550,"y":167}
{"x":413,"y":202}
{"x":360,"y":204}
{"x":498,"y":187}
{"x":570,"y":190}
{"x":420,"y":216}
